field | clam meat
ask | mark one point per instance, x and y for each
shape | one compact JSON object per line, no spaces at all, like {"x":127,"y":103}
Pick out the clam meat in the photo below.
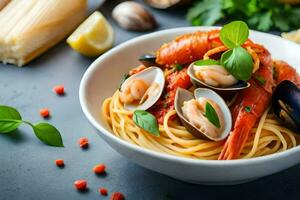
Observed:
{"x":140,"y":91}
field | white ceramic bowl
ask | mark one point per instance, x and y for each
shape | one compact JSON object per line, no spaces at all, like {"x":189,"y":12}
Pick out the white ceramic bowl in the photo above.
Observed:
{"x":103,"y":77}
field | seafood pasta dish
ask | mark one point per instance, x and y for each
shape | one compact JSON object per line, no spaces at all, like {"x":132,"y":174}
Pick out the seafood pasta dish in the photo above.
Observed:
{"x":213,"y":95}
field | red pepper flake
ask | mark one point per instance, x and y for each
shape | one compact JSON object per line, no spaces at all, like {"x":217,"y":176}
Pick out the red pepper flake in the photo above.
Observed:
{"x":117,"y":196}
{"x":59,"y":162}
{"x":83,"y":142}
{"x":99,"y":169}
{"x":44,"y":112}
{"x":59,"y":89}
{"x":80,"y":184}
{"x":103,"y":191}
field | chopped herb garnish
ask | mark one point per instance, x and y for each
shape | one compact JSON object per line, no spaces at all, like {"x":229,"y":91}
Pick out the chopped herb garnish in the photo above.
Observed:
{"x":125,"y":76}
{"x":248,"y":109}
{"x":212,"y":115}
{"x":178,"y":67}
{"x":165,"y":105}
{"x":261,"y":80}
{"x":146,"y":121}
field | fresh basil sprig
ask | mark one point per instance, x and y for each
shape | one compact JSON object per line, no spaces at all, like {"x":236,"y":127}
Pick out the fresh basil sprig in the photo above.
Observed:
{"x":236,"y":60}
{"x":146,"y":121}
{"x":212,"y":115}
{"x":10,"y":120}
{"x":206,"y":62}
{"x":234,"y":34}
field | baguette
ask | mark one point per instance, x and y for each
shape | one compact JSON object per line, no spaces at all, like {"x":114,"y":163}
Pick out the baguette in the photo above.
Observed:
{"x":30,"y":27}
{"x":3,"y":3}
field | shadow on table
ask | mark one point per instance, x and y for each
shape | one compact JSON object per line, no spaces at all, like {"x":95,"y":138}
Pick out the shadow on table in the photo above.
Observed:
{"x":16,"y":136}
{"x":276,"y":186}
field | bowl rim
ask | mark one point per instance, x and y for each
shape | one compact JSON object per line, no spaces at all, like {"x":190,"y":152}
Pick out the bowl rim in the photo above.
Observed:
{"x":159,"y":155}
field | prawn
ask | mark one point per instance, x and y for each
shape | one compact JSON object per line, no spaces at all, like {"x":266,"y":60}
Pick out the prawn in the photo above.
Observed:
{"x":188,"y":48}
{"x":249,"y":106}
{"x":283,"y":71}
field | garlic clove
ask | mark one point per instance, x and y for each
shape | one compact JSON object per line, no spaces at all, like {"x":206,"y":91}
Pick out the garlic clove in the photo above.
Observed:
{"x":133,"y":16}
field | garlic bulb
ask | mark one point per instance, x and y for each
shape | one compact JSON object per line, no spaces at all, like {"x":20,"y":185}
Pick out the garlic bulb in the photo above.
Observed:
{"x":133,"y":16}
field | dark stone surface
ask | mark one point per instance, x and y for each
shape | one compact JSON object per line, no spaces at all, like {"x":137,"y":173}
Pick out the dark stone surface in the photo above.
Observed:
{"x":27,"y":169}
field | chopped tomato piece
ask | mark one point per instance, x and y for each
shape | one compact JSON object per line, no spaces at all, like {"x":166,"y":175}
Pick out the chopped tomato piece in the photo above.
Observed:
{"x":59,"y":89}
{"x":117,"y":196}
{"x":103,"y":191}
{"x":45,"y":112}
{"x":99,"y":169}
{"x":83,"y":142}
{"x":178,"y":79}
{"x":80,"y":184}
{"x":59,"y":162}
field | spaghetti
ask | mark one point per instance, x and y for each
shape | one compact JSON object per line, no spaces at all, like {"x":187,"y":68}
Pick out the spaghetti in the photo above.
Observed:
{"x":266,"y":138}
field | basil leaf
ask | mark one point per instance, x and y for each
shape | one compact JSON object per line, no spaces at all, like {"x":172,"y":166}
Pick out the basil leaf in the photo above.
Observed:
{"x":7,"y":126}
{"x":146,"y":121}
{"x":206,"y":62}
{"x":211,"y":115}
{"x":10,"y":119}
{"x":234,"y":34}
{"x":248,"y":109}
{"x":238,"y":62}
{"x":260,"y":79}
{"x":48,"y":134}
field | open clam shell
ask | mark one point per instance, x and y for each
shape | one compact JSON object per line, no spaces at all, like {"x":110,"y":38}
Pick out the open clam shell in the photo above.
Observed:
{"x":150,"y":75}
{"x":224,"y":91}
{"x":183,"y":95}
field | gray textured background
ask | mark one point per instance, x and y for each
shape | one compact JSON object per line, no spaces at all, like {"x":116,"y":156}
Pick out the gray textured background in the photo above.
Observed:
{"x":27,"y":169}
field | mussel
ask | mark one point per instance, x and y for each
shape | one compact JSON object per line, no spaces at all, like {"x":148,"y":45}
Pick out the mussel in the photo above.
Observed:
{"x":141,"y":91}
{"x":148,"y":60}
{"x":286,"y":104}
{"x":184,"y":96}
{"x":224,"y":89}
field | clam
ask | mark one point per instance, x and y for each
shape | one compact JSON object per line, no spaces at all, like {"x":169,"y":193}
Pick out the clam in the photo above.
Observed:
{"x":151,"y":83}
{"x":286,"y":104}
{"x":133,"y":16}
{"x":165,"y":4}
{"x":225,"y":89}
{"x":148,"y":60}
{"x":183,"y":96}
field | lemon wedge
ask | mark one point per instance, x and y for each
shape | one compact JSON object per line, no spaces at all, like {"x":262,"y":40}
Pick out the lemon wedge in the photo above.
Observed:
{"x":93,"y":37}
